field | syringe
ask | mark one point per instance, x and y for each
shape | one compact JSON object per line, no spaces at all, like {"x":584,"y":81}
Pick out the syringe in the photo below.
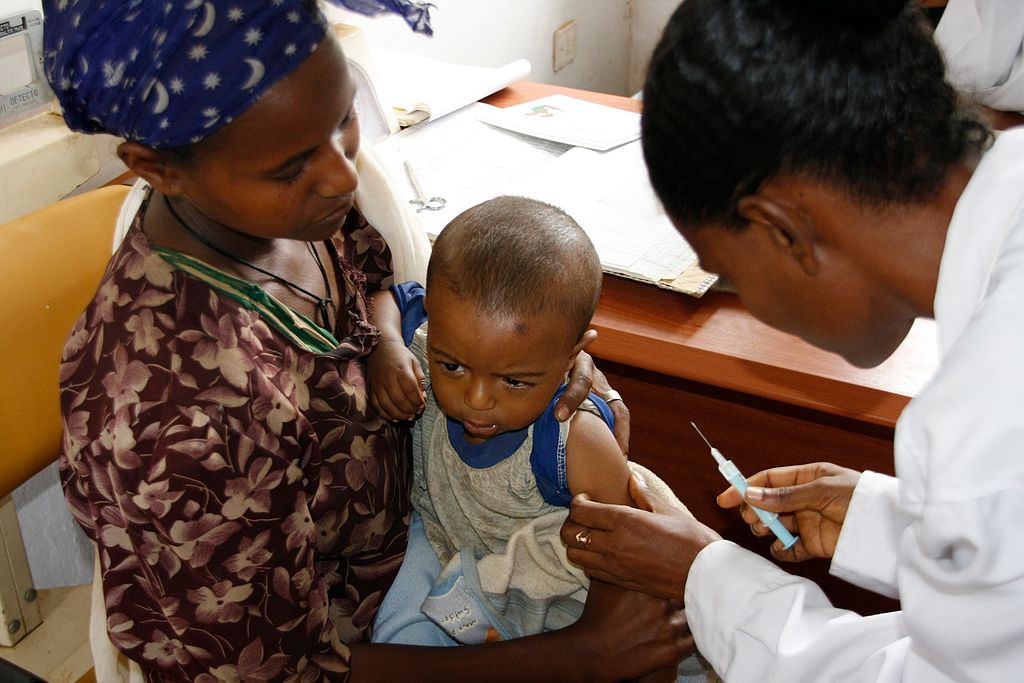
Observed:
{"x":734,"y":477}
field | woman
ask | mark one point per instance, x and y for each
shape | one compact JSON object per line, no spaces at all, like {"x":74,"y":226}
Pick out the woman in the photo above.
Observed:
{"x":250,"y":509}
{"x":812,"y":153}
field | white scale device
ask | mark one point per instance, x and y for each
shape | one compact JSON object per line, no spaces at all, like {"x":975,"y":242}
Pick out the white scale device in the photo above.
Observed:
{"x":23,"y":87}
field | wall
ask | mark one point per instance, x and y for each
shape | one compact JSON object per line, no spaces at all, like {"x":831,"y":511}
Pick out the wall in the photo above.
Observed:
{"x":647,"y":19}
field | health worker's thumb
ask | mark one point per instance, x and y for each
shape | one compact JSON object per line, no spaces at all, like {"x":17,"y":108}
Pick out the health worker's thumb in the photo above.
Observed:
{"x":783,"y":498}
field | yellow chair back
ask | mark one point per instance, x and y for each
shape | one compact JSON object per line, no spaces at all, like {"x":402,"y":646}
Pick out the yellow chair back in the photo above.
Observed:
{"x":51,"y":261}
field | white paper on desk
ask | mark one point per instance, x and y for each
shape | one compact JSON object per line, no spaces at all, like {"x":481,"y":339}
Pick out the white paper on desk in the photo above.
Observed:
{"x":421,"y":88}
{"x":610,"y":196}
{"x":463,"y":160}
{"x":569,"y":120}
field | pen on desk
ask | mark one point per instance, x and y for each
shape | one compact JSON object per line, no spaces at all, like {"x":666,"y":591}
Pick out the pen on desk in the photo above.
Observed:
{"x":424,"y":204}
{"x":733,"y":476}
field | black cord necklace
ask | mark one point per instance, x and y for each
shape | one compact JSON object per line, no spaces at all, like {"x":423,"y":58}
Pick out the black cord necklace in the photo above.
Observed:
{"x":323,"y":304}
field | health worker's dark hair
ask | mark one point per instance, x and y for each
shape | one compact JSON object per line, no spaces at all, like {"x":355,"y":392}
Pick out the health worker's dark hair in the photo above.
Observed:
{"x":519,"y":257}
{"x":848,"y":92}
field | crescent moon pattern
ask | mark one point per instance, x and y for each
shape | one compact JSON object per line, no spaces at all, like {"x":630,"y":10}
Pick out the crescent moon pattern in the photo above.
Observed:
{"x":162,"y":98}
{"x":256,"y":75}
{"x":220,"y":52}
{"x":209,"y":19}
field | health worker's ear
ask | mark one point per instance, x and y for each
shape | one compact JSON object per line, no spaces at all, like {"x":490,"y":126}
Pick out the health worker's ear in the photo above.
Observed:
{"x":152,"y":166}
{"x":586,"y":339}
{"x":787,"y":226}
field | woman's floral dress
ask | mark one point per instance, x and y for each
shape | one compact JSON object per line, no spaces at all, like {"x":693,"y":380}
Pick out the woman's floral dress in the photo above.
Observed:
{"x":249,"y":506}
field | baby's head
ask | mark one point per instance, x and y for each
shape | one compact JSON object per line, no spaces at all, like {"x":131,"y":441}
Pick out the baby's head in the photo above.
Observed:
{"x":511,"y":287}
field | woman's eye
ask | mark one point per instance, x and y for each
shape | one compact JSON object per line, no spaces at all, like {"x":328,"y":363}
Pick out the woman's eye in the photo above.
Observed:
{"x":291,"y":175}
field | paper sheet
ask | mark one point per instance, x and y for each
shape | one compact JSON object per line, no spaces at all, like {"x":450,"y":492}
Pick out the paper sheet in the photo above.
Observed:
{"x":467,"y":161}
{"x":610,"y":196}
{"x":463,"y":160}
{"x":422,"y":88}
{"x":570,"y":120}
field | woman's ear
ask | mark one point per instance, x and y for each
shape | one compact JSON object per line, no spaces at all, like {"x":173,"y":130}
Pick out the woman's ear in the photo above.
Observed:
{"x":790,"y":228}
{"x":151,"y":166}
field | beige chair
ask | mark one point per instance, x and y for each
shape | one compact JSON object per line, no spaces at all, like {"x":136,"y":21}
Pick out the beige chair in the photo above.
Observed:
{"x":51,"y":261}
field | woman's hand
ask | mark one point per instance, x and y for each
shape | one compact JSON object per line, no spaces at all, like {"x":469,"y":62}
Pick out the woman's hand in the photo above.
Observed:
{"x":648,"y":548}
{"x":395,"y":381}
{"x":811,"y":500}
{"x":630,"y":633}
{"x":584,"y":378}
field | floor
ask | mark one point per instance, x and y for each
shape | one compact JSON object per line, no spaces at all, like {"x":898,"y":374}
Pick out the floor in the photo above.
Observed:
{"x":58,"y":649}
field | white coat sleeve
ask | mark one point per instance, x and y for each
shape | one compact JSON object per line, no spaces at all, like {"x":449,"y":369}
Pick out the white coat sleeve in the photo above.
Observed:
{"x":868,"y":547}
{"x":755,"y":622}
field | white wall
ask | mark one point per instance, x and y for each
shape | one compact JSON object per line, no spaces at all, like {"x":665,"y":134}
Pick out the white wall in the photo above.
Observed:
{"x":495,"y":32}
{"x":647,"y":19}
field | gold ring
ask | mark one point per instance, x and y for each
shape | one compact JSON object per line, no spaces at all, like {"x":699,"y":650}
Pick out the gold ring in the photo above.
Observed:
{"x":610,"y":395}
{"x":583,"y":537}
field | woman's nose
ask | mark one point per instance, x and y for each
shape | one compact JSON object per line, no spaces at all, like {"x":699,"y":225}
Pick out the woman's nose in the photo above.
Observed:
{"x":338,"y":175}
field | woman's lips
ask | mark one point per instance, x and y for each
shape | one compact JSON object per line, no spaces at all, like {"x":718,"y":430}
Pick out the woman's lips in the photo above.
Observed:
{"x":338,"y":213}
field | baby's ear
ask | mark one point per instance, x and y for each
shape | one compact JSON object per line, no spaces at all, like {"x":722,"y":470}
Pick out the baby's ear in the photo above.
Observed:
{"x":585,"y":339}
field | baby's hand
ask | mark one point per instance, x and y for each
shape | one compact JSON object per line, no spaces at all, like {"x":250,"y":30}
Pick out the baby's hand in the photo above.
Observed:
{"x":395,"y":380}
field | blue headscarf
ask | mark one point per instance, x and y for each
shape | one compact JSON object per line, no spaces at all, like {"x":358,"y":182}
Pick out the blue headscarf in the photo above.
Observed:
{"x":170,"y":72}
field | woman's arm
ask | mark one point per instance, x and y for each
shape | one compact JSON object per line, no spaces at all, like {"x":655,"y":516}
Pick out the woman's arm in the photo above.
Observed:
{"x":621,"y":635}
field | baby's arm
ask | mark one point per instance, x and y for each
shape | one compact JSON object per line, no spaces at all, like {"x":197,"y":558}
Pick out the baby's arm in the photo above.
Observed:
{"x":395,"y":381}
{"x":595,"y":466}
{"x":594,"y":462}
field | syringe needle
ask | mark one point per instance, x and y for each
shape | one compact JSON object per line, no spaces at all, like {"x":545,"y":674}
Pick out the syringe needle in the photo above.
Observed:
{"x":732,"y":475}
{"x":701,"y":434}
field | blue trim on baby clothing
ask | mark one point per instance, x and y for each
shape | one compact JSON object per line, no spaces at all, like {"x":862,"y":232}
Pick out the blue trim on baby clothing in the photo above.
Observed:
{"x":547,"y":459}
{"x":409,"y":297}
{"x":487,"y":453}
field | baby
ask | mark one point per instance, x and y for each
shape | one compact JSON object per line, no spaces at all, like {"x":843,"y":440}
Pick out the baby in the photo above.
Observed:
{"x":512,"y":286}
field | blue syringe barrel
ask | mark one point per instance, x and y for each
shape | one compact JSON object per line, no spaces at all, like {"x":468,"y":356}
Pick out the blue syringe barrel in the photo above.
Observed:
{"x":770,"y":519}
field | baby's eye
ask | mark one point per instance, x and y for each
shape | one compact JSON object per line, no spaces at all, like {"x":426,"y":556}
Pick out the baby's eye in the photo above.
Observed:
{"x":451,"y":367}
{"x":515,"y":383}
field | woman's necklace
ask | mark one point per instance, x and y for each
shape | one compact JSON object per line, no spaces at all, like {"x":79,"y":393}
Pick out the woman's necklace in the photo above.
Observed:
{"x":323,"y":304}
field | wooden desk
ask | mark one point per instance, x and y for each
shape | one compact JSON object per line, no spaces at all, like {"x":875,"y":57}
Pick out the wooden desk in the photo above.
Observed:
{"x":763,"y":397}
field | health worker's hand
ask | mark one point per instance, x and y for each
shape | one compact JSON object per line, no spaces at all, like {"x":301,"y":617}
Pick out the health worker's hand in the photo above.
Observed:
{"x":811,"y":500}
{"x":395,"y":381}
{"x":646,"y":548}
{"x":584,"y":378}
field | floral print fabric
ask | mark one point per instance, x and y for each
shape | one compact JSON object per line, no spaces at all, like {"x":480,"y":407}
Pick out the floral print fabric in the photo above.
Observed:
{"x":250,"y":508}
